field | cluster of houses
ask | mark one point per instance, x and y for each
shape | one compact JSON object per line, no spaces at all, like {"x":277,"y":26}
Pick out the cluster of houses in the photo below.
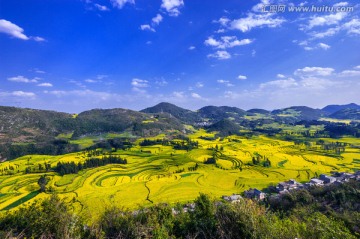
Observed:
{"x":284,"y":187}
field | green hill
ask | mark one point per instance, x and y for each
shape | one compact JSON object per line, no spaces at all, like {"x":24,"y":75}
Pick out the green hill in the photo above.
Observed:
{"x":184,"y":115}
{"x":258,"y":111}
{"x":224,"y":127}
{"x":299,"y":113}
{"x":217,"y":113}
{"x":20,"y":125}
{"x":330,"y":109}
{"x":347,"y":113}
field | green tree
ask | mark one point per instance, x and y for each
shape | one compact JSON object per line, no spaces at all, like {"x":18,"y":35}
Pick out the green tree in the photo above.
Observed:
{"x":43,"y":180}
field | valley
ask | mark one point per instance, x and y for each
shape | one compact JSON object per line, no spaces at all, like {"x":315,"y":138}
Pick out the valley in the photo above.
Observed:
{"x":159,"y":173}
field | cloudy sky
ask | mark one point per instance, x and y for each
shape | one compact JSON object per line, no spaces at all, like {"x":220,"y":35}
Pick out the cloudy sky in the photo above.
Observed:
{"x":76,"y":55}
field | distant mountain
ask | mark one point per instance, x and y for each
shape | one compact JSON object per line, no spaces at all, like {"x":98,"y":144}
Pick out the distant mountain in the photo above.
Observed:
{"x":330,"y":109}
{"x":119,"y":120}
{"x":184,"y":115}
{"x":258,"y":111}
{"x":347,"y":113}
{"x":299,"y":113}
{"x":217,"y":113}
{"x":225,"y":127}
{"x":28,"y":125}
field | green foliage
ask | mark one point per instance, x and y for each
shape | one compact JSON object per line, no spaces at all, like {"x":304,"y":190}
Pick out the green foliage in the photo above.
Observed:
{"x":206,"y":219}
{"x":43,"y":181}
{"x":47,"y":219}
{"x":72,"y":167}
{"x":224,"y":128}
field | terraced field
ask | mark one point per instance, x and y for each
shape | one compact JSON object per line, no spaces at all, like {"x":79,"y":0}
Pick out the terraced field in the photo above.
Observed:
{"x":159,"y":173}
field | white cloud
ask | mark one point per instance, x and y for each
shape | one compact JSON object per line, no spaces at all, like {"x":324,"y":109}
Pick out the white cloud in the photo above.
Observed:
{"x":314,"y":83}
{"x":161,"y":82}
{"x":242,"y":77}
{"x":121,"y":3}
{"x":192,"y":48}
{"x":139,"y":83}
{"x":259,"y":7}
{"x":199,"y":85}
{"x":225,"y":82}
{"x":77,"y":83}
{"x":357,"y":67}
{"x":196,"y":96}
{"x":101,"y":7}
{"x":323,"y":46}
{"x":331,"y":19}
{"x":23,"y":94}
{"x":147,"y":27}
{"x":253,"y":53}
{"x":281,"y":76}
{"x":90,"y":81}
{"x":223,"y":21}
{"x":288,"y":83}
{"x":256,"y":20}
{"x":156,"y":20}
{"x":45,"y":84}
{"x":13,"y":30}
{"x":314,"y":71}
{"x":88,"y":94}
{"x":38,"y":39}
{"x":353,"y":26}
{"x":350,"y":73}
{"x":178,"y":94}
{"x":311,"y":48}
{"x":39,"y":71}
{"x":172,"y":6}
{"x":100,"y":77}
{"x":23,"y":79}
{"x":341,"y":4}
{"x":220,"y":55}
{"x":226,"y":42}
{"x":222,"y":81}
{"x":307,"y":48}
{"x":327,"y":33}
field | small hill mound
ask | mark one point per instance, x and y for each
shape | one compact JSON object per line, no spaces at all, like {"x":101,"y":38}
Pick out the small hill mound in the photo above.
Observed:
{"x":300,"y":113}
{"x":26,"y":125}
{"x":184,"y":115}
{"x":99,"y":121}
{"x":225,"y":127}
{"x":330,"y":109}
{"x":258,"y":111}
{"x":352,"y":114}
{"x":216,"y":113}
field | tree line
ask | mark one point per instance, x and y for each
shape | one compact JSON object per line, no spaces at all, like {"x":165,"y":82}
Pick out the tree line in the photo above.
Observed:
{"x":72,"y":167}
{"x":186,"y":144}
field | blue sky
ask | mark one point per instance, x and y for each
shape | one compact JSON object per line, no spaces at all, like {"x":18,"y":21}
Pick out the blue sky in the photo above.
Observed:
{"x":76,"y":55}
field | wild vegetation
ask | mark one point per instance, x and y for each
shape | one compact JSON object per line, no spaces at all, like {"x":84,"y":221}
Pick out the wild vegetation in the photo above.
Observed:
{"x":318,"y":213}
{"x":138,"y":161}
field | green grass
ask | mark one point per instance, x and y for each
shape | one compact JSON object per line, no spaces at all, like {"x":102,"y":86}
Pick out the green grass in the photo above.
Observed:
{"x":22,"y":200}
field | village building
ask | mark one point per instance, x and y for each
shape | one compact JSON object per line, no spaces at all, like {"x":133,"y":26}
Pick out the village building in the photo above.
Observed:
{"x":255,"y":194}
{"x":316,"y":181}
{"x":233,"y":198}
{"x":287,"y":186}
{"x":327,"y":179}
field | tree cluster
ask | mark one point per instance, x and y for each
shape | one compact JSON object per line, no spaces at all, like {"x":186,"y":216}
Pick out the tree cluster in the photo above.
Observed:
{"x":261,"y":160}
{"x":72,"y":167}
